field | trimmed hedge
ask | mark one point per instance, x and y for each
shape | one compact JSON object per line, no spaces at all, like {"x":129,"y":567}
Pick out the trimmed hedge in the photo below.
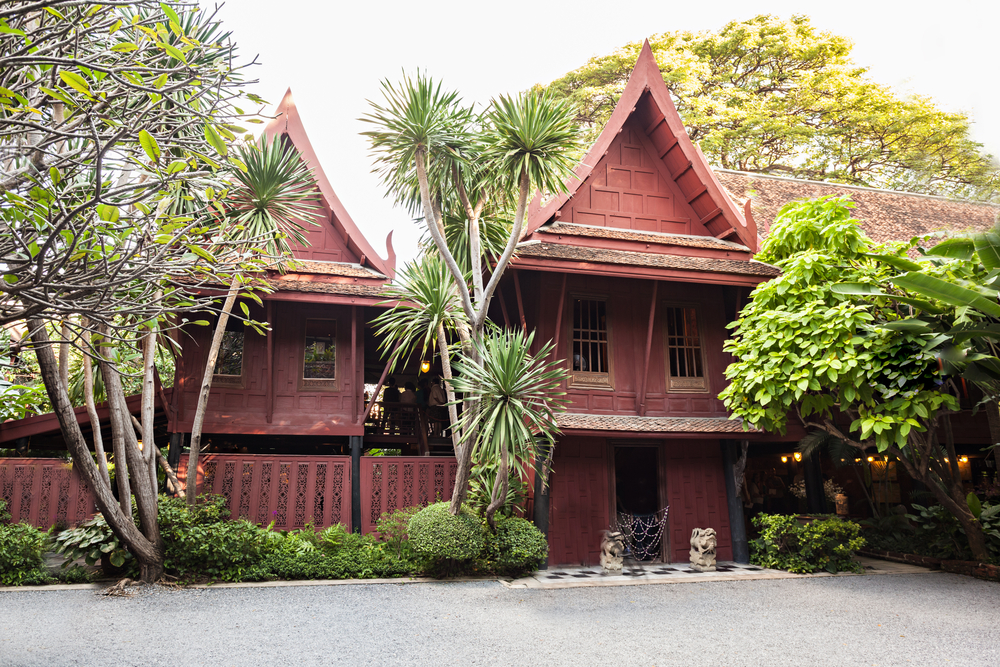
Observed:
{"x":436,"y":533}
{"x":517,"y":548}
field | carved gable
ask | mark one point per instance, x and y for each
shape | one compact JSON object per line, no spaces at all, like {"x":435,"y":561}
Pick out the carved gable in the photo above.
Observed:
{"x":630,"y":188}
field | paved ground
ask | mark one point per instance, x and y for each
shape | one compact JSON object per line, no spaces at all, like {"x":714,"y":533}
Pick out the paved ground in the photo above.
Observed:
{"x":900,"y":619}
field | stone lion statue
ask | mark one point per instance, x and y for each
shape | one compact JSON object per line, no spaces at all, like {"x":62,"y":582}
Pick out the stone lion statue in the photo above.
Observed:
{"x":612,"y":550}
{"x":703,"y":544}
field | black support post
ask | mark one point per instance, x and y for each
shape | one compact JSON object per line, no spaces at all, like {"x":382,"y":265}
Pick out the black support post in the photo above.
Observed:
{"x":737,"y":524}
{"x":815,"y":500}
{"x":356,"y":441}
{"x":176,"y":444}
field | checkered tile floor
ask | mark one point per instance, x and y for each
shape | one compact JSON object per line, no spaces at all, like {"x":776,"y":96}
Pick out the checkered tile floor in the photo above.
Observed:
{"x":642,"y":570}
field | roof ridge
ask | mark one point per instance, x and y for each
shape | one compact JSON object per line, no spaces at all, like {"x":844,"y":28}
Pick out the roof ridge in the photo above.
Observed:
{"x":855,"y":187}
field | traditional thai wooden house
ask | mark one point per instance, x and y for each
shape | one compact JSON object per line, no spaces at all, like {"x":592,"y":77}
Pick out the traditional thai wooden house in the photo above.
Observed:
{"x":634,"y":273}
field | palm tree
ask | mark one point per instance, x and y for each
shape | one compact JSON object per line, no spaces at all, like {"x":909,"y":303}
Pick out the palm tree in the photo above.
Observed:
{"x":271,"y":200}
{"x":437,"y":156}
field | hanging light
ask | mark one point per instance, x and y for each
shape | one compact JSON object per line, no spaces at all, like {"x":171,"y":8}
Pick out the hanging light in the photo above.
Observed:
{"x":798,"y":456}
{"x":784,"y":459}
{"x":871,"y":459}
{"x":963,"y":459}
{"x":425,"y":367}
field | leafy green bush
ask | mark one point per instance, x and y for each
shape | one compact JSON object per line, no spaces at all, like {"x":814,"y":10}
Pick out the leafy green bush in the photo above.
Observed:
{"x":21,"y":549}
{"x":435,"y":532}
{"x":824,"y":544}
{"x":517,"y":548}
{"x":393,"y":526}
{"x":349,"y":556}
{"x":940,"y":535}
{"x":76,"y":574}
{"x":4,"y":514}
{"x":91,"y":540}
{"x":481,"y":490}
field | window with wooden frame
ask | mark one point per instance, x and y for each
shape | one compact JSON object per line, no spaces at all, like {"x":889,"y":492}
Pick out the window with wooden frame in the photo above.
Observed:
{"x":591,"y":361}
{"x":685,"y":357}
{"x":319,"y":356}
{"x":229,"y":364}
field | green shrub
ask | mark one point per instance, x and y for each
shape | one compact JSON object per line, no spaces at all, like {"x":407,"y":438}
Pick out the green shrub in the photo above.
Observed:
{"x":824,"y":544}
{"x":393,"y":528}
{"x":351,"y":556}
{"x":4,"y":514}
{"x":75,"y":574}
{"x":435,"y":532}
{"x":91,"y":540}
{"x":481,"y":490}
{"x":21,"y":549}
{"x":517,"y":548}
{"x":224,"y":550}
{"x":940,"y":535}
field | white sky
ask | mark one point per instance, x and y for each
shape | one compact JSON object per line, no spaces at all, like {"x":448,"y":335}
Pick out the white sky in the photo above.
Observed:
{"x":334,"y":54}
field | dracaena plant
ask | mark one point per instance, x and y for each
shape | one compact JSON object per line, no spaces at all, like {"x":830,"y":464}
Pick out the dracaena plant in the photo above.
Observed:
{"x":461,"y":170}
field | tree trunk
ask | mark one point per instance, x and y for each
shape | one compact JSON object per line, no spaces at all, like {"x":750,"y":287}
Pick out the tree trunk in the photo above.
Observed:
{"x":148,"y":402}
{"x":206,"y":389}
{"x":463,"y":450}
{"x":952,"y":499}
{"x":95,"y":420}
{"x":143,"y":478}
{"x":120,"y":522}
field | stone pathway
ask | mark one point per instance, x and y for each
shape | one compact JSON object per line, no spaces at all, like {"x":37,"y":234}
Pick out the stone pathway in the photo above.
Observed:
{"x":677,"y":573}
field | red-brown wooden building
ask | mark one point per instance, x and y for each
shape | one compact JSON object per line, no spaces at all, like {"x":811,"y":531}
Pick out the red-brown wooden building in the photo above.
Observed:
{"x":634,"y":273}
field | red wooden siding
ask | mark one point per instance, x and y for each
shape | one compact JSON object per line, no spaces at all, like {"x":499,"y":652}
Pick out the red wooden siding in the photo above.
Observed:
{"x":628,"y":315}
{"x":297,"y":410}
{"x":578,"y":500}
{"x":393,"y":482}
{"x":288,"y":490}
{"x":44,"y":492}
{"x":325,"y":244}
{"x":580,"y":497}
{"x":630,"y":188}
{"x":696,"y":489}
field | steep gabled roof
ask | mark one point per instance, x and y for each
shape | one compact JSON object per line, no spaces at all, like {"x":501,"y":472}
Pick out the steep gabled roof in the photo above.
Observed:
{"x":658,"y":180}
{"x":288,"y":122}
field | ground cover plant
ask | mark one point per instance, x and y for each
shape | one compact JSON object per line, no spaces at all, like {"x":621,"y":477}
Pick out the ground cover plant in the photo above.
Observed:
{"x":823,"y":544}
{"x":202,"y":543}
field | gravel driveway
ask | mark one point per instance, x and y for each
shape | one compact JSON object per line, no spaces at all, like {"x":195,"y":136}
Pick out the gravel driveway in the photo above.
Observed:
{"x":933,"y":620}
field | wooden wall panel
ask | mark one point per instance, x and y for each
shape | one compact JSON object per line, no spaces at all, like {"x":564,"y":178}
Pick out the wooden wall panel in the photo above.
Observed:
{"x":578,"y":501}
{"x":631,"y":188}
{"x":325,"y":244}
{"x":243,"y":409}
{"x":697,"y":493}
{"x":628,"y":313}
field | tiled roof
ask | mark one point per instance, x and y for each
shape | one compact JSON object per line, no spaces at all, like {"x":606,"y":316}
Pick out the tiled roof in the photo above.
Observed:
{"x":316,"y":287}
{"x":333,"y":269}
{"x":884,"y":215}
{"x":621,"y":257}
{"x":688,"y":241}
{"x":569,"y":420}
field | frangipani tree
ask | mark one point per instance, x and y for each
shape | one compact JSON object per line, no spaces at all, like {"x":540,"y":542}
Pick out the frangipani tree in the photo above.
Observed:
{"x":439,"y":158}
{"x":824,"y":344}
{"x":114,"y":120}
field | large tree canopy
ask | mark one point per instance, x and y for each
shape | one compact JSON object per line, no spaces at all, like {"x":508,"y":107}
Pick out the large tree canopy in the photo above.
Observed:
{"x":832,"y":343}
{"x":782,"y":97}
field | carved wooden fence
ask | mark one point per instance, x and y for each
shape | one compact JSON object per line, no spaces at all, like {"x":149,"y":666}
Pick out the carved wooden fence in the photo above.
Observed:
{"x":394,"y":482}
{"x":288,"y":490}
{"x":44,"y":492}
